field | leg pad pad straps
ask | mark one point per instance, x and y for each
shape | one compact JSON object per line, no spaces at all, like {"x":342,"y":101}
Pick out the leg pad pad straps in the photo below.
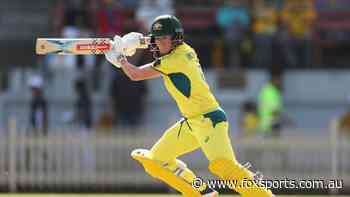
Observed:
{"x":233,"y":171}
{"x":156,"y":170}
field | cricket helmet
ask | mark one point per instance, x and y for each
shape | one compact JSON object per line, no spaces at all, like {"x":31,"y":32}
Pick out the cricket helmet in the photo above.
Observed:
{"x":166,"y":25}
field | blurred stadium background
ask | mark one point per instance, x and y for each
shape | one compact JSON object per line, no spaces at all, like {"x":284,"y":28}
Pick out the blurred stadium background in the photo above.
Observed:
{"x":68,"y":124}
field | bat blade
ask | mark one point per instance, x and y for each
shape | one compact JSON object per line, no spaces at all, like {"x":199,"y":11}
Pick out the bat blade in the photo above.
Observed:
{"x":72,"y":46}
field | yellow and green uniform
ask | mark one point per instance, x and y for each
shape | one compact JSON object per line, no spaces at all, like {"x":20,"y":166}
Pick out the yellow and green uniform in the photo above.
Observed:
{"x":184,"y":80}
{"x":204,"y":124}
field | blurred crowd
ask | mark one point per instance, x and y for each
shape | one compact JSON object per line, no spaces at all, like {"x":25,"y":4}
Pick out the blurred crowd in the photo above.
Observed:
{"x":228,"y":35}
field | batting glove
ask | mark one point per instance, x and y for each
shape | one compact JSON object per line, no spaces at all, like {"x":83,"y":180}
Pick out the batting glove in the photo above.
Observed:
{"x":115,"y":55}
{"x":131,"y":42}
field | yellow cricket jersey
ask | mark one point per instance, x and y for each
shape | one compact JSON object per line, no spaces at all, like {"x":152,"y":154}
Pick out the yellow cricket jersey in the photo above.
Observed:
{"x":183,"y":78}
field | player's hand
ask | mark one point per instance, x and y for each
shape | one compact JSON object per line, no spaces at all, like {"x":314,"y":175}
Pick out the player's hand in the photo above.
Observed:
{"x":115,"y":55}
{"x":131,"y":42}
{"x":112,"y":57}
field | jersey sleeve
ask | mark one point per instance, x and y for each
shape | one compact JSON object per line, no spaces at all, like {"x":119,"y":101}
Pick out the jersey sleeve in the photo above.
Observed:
{"x":164,"y":66}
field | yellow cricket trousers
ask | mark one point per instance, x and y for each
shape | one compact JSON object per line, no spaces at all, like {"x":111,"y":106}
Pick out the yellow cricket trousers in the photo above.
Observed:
{"x":208,"y":132}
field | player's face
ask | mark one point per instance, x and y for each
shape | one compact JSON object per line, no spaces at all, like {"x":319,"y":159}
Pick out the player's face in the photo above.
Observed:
{"x":164,"y":44}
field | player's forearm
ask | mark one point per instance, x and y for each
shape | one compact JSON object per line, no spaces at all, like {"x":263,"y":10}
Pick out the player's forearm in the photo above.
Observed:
{"x":139,"y":73}
{"x":130,"y":70}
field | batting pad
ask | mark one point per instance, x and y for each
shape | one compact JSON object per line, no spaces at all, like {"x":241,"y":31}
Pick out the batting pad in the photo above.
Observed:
{"x":154,"y":169}
{"x":236,"y":173}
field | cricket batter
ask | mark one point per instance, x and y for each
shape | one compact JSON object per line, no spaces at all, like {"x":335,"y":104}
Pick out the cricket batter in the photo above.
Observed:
{"x":204,"y":124}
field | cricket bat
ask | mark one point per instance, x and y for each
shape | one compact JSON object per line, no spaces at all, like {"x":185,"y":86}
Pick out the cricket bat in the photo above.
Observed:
{"x":74,"y":46}
{"x":77,"y":46}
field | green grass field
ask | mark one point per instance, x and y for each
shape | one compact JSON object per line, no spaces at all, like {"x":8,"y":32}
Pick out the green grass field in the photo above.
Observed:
{"x":124,"y":195}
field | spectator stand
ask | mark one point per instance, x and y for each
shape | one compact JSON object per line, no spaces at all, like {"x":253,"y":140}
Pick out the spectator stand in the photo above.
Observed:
{"x":332,"y":31}
{"x":199,"y":25}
